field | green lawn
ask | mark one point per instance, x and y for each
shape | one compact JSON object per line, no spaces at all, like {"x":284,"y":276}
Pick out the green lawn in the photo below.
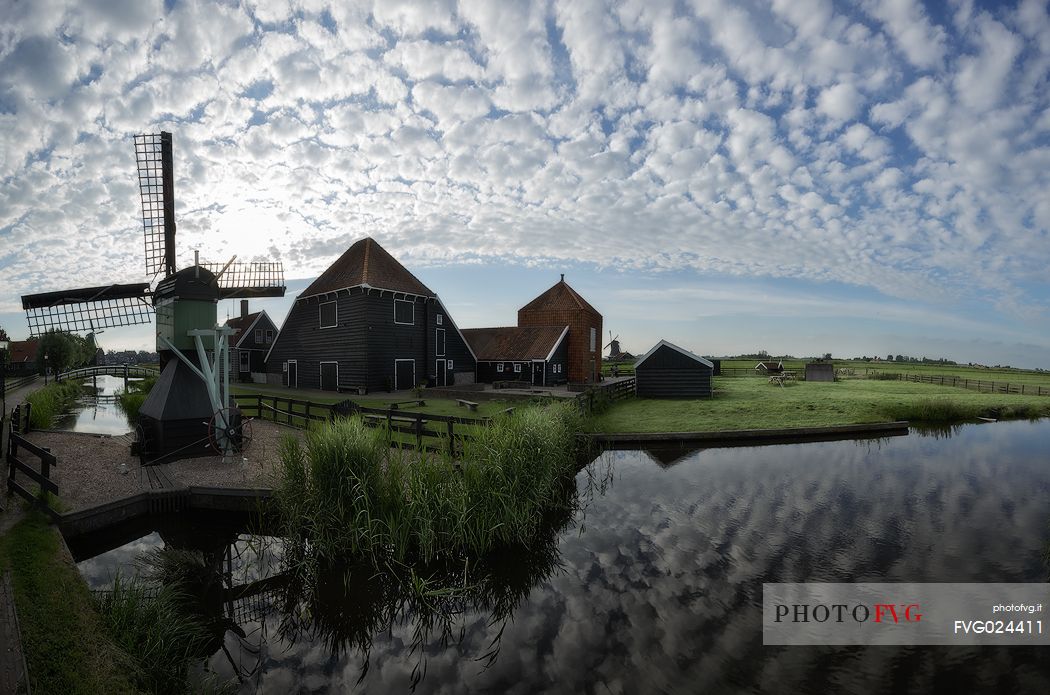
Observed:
{"x":1012,"y":376}
{"x":66,"y":646}
{"x":742,"y":403}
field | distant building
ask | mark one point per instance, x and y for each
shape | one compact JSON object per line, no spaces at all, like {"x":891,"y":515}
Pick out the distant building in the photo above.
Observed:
{"x":668,"y":371}
{"x":556,"y":341}
{"x":368,"y":323}
{"x":21,"y":356}
{"x":256,"y":333}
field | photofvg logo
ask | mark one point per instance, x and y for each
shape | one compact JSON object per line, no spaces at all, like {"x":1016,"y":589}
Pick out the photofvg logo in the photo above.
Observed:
{"x":840,"y":612}
{"x":904,"y":613}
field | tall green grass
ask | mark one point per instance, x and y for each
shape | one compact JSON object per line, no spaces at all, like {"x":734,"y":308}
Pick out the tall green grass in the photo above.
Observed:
{"x":132,"y":398}
{"x":52,"y":401}
{"x":347,"y":493}
{"x":943,"y":410}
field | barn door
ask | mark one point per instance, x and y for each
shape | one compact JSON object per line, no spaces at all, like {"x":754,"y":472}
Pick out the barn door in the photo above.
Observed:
{"x":329,"y":376}
{"x":293,"y":374}
{"x":404,"y":374}
{"x":441,"y":374}
{"x":537,"y":373}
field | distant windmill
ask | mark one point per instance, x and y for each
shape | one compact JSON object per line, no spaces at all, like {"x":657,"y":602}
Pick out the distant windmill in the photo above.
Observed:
{"x":189,"y":407}
{"x":614,"y":346}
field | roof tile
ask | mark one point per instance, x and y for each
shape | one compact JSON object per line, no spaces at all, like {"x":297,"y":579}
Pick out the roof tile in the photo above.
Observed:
{"x":367,"y":263}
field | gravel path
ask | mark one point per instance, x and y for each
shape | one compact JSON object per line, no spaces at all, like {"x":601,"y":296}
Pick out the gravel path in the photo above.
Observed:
{"x":93,"y":469}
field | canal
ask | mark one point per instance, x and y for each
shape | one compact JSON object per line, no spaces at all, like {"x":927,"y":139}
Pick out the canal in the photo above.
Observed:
{"x":655,"y":585}
{"x":97,"y":411}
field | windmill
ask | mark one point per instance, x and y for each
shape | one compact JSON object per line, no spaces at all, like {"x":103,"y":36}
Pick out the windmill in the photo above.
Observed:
{"x":614,"y":346}
{"x":188,"y":412}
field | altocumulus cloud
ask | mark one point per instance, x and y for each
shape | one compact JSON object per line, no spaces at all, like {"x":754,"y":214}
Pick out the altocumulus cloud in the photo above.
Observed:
{"x":888,"y":145}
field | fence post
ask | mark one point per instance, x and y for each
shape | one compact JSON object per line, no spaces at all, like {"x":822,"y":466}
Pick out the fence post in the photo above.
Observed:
{"x":307,"y":413}
{"x":451,"y":439}
{"x":419,"y":431}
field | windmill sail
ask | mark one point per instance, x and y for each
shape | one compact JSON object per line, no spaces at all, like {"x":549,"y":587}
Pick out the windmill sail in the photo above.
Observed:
{"x":153,"y":156}
{"x":247,"y":280}
{"x":88,"y":309}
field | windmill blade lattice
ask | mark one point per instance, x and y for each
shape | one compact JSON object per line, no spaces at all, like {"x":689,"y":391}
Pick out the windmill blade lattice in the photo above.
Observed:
{"x":88,"y":309}
{"x":244,"y":280}
{"x":153,"y":156}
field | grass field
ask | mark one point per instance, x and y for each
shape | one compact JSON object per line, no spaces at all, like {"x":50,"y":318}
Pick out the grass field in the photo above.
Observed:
{"x":1013,"y":376}
{"x":742,"y":403}
{"x":66,"y":645}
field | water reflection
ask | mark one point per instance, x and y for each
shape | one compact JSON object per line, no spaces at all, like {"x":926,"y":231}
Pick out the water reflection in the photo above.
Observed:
{"x":656,"y":585}
{"x":98,"y":410}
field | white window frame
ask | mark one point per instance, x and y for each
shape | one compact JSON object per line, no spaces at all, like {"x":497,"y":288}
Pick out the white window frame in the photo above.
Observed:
{"x":414,"y":383}
{"x":269,"y":336}
{"x":258,"y":336}
{"x":403,"y":323}
{"x":439,"y":319}
{"x":594,"y":336}
{"x":448,"y":364}
{"x":499,"y":366}
{"x":334,"y":325}
{"x":517,"y":368}
{"x":244,"y":365}
{"x":319,"y":382}
{"x":439,"y":339}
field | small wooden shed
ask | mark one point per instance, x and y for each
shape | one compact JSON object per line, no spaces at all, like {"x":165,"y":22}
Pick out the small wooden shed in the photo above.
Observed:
{"x":820,"y":371}
{"x":668,"y":371}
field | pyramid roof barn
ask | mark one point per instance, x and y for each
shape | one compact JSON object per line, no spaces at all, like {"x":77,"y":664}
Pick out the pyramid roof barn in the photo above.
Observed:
{"x":367,"y":263}
{"x":561,"y":296}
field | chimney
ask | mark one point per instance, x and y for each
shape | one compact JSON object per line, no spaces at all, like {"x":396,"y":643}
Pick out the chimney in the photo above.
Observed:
{"x":244,"y":308}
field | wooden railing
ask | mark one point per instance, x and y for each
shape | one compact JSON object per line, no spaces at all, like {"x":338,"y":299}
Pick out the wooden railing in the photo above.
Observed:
{"x":435,"y":432}
{"x":127,"y":371}
{"x":980,"y":385}
{"x":41,"y":477}
{"x":12,"y":384}
{"x":614,"y":391}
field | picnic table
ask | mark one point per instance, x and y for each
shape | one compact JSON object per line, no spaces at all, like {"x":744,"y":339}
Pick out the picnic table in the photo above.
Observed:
{"x":778,"y":379}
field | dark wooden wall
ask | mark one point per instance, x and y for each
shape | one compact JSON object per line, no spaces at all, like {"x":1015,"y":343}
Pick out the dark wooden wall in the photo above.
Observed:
{"x":669,"y":374}
{"x":366,"y":341}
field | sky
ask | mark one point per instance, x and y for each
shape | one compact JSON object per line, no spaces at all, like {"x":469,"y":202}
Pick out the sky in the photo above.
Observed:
{"x":798,"y":176}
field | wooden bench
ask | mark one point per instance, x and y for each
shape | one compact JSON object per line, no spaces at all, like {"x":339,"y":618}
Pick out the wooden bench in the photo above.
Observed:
{"x":471,"y":405}
{"x":777,"y":379}
{"x":395,"y":406}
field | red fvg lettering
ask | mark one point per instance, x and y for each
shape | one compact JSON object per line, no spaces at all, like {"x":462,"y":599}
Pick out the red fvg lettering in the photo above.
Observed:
{"x":908,"y":615}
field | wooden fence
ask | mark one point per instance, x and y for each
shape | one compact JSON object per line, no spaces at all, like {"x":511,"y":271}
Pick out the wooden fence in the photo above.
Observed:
{"x":435,"y":432}
{"x":980,"y":385}
{"x":20,"y":418}
{"x":614,"y":391}
{"x":42,"y":477}
{"x":12,"y":384}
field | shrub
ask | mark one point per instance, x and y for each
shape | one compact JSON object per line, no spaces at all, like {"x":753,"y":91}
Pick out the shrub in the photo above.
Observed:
{"x":134,"y":396}
{"x":51,"y":401}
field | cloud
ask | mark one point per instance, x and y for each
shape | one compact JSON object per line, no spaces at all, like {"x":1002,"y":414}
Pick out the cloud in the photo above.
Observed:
{"x":884,"y":148}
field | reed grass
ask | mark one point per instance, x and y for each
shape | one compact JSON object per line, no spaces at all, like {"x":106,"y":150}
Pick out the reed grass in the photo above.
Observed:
{"x":347,"y":492}
{"x":52,"y":401}
{"x":150,"y":623}
{"x":132,"y":398}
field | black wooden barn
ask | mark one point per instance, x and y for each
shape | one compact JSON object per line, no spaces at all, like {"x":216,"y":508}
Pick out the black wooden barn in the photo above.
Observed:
{"x":820,"y":371}
{"x":368,"y":323}
{"x":668,"y":371}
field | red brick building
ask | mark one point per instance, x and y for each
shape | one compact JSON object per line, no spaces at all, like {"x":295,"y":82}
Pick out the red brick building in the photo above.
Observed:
{"x":563,"y":306}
